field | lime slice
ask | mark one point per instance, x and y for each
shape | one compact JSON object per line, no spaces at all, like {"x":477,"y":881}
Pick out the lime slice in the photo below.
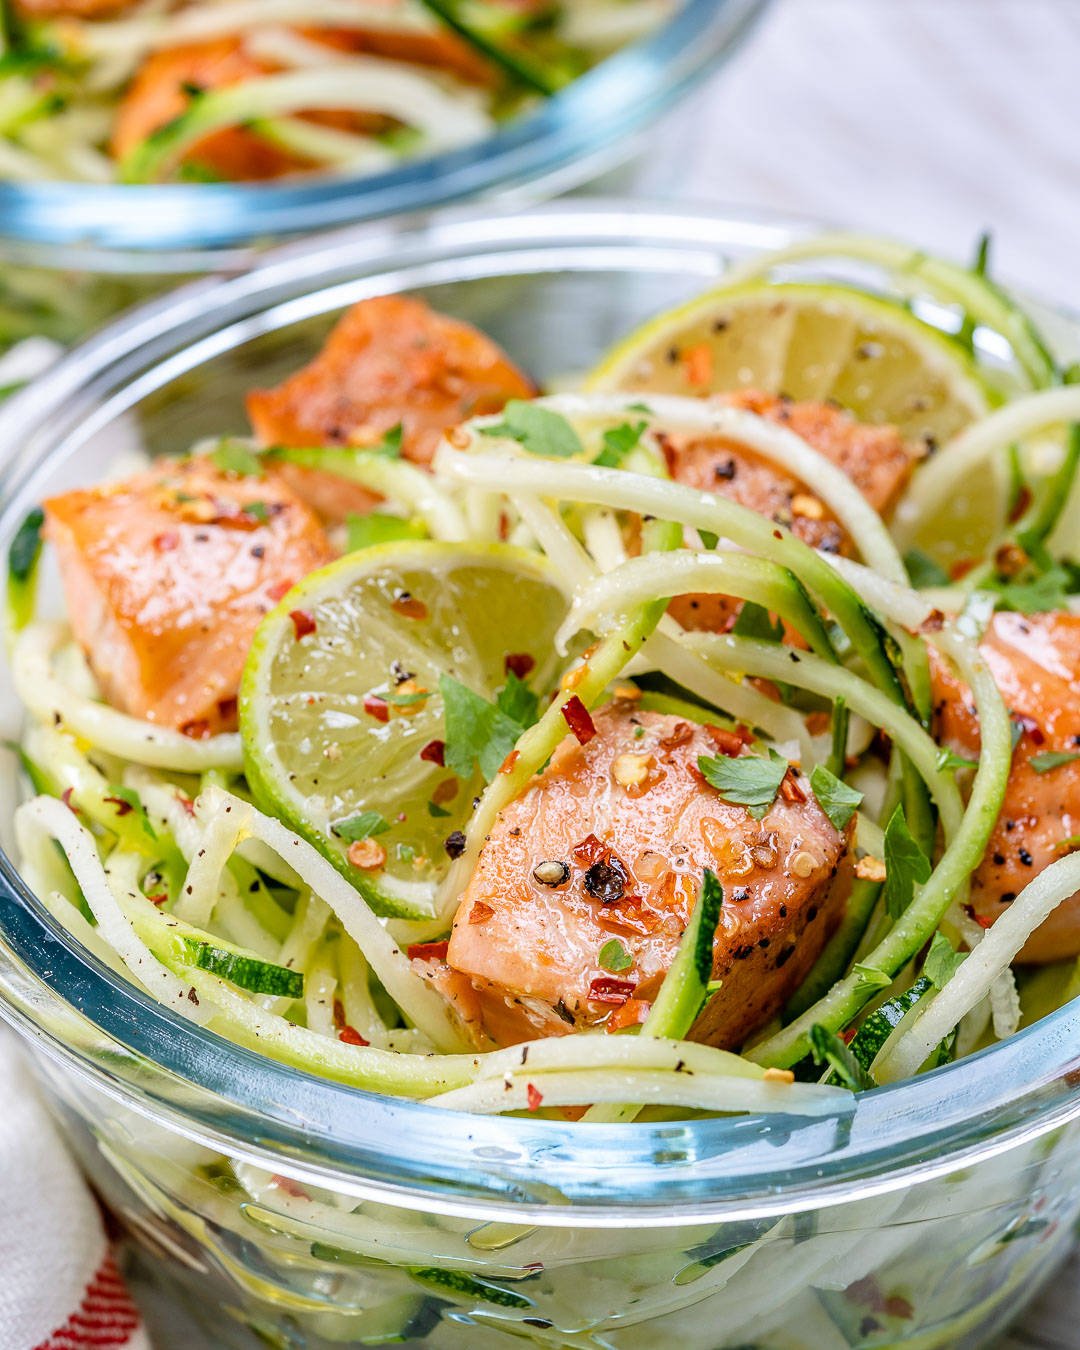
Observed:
{"x":340,"y":696}
{"x":811,"y":343}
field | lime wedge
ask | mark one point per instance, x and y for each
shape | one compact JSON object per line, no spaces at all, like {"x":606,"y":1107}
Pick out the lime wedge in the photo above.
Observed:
{"x":340,"y":697}
{"x":810,"y":342}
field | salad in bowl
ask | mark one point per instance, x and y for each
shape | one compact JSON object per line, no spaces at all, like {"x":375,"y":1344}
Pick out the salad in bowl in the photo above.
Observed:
{"x":698,"y":738}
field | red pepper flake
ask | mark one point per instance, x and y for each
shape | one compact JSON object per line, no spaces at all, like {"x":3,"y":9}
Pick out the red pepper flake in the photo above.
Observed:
{"x":1023,"y":501}
{"x":961,"y":568}
{"x":445,"y":791}
{"x":377,"y":707}
{"x":198,"y":729}
{"x":632,"y":1014}
{"x":507,"y":766}
{"x":65,"y":797}
{"x":682,"y":733}
{"x":408,"y":606}
{"x":849,"y":1035}
{"x":338,"y":1014}
{"x":290,"y":1187}
{"x":186,"y":802}
{"x":607,"y":990}
{"x":898,"y":1306}
{"x":350,"y":1036}
{"x":435,"y":753}
{"x":818,"y":722}
{"x":427,"y":951}
{"x":578,"y":720}
{"x":729,"y":743}
{"x":159,"y":899}
{"x":520,"y":664}
{"x":278,"y":590}
{"x":227,"y":708}
{"x":791,"y":790}
{"x":1029,"y":727}
{"x":589,"y":851}
{"x":533,"y":1097}
{"x":480,"y":912}
{"x":302,"y":623}
{"x":123,"y":808}
{"x":698,"y":364}
{"x":167,"y":541}
{"x":629,"y":915}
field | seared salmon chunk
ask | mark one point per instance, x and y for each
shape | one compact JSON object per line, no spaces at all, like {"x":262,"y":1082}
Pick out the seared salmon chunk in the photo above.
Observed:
{"x":167,"y":575}
{"x":611,"y":842}
{"x":390,"y":361}
{"x":876,"y":459}
{"x":1035,"y":661}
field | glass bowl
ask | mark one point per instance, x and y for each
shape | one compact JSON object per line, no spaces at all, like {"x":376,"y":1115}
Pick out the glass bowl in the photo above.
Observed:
{"x":284,"y":1210}
{"x":566,"y":140}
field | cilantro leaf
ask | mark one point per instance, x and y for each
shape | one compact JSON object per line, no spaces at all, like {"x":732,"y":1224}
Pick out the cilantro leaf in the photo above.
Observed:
{"x":133,"y":802}
{"x":259,"y":510}
{"x":435,"y":811}
{"x":390,"y":445}
{"x":870,"y":978}
{"x":836,"y":799}
{"x":363,"y":826}
{"x":26,"y":546}
{"x":518,"y":701}
{"x":1053,"y":759}
{"x":615,"y":957}
{"x":618,"y":442}
{"x":947,"y":762}
{"x":379,"y":528}
{"x":753,"y":621}
{"x":538,"y":430}
{"x":477,"y":732}
{"x":924,"y":571}
{"x":942,"y":962}
{"x":750,"y":780}
{"x":236,"y":458}
{"x":1034,"y":592}
{"x":905,"y":864}
{"x":827,"y":1048}
{"x":709,"y":540}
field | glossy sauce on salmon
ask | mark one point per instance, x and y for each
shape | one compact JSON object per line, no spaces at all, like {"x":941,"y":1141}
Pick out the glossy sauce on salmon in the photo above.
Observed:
{"x":167,"y":575}
{"x":611,"y":842}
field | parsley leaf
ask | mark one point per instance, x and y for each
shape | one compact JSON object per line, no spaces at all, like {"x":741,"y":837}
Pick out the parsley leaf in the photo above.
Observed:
{"x":233,"y":457}
{"x":905,"y":864}
{"x":1053,"y":759}
{"x":836,"y":799}
{"x":131,"y":798}
{"x":379,"y":528}
{"x":828,"y":1048}
{"x":518,"y":701}
{"x":750,"y":780}
{"x":615,"y":957}
{"x":363,"y":826}
{"x":435,"y":811}
{"x":923,"y":570}
{"x":618,"y":442}
{"x":390,"y":445}
{"x":709,"y":540}
{"x":947,"y":762}
{"x":259,"y":510}
{"x":477,"y":732}
{"x":753,"y":621}
{"x":870,"y":978}
{"x":538,"y":430}
{"x":1034,"y":592}
{"x":942,"y":962}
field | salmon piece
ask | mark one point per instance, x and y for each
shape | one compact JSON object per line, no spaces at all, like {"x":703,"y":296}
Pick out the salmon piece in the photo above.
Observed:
{"x":389,"y":360}
{"x":634,"y":859}
{"x":161,"y":91}
{"x":167,"y":575}
{"x":439,"y":50}
{"x":876,"y":459}
{"x":1035,"y":661}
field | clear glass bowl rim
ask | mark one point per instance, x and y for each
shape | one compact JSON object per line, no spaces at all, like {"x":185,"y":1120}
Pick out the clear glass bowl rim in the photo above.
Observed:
{"x":404,"y":1152}
{"x":100,"y":226}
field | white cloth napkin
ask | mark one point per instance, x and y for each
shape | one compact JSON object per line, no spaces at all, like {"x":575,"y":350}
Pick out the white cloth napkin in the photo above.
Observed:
{"x":60,"y":1289}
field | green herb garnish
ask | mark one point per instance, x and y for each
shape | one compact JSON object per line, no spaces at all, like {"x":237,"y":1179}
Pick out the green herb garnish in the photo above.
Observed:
{"x":905,"y":864}
{"x":828,"y":1048}
{"x":615,"y":957}
{"x":363,"y":826}
{"x":618,"y":442}
{"x":836,"y":799}
{"x":754,"y":621}
{"x":478,"y":733}
{"x":1053,"y":759}
{"x":233,"y":457}
{"x":750,"y":780}
{"x":537,"y":430}
{"x":942,"y":961}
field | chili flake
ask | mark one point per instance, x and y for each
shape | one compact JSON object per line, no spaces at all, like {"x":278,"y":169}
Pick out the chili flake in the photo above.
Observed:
{"x":123,"y":807}
{"x":427,"y":951}
{"x":408,"y":606}
{"x":350,"y":1036}
{"x":435,"y":753}
{"x":480,"y":912}
{"x":608,"y":990}
{"x":520,"y":664}
{"x":578,"y":720}
{"x":302,"y":622}
{"x":533,"y":1096}
{"x":377,"y":707}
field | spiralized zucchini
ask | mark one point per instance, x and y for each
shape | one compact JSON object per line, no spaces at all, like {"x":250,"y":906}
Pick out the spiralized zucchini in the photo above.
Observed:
{"x":230,"y":918}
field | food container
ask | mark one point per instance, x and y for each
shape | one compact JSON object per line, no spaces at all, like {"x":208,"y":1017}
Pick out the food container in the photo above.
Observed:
{"x":278,"y":1209}
{"x":72,"y":254}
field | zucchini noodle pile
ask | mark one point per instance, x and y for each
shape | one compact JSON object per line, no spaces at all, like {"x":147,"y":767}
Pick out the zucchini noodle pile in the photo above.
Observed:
{"x":168,"y":872}
{"x":134,"y":93}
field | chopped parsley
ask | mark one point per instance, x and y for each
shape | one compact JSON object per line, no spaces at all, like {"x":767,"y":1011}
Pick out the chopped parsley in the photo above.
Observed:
{"x":131,"y":802}
{"x":905,"y":864}
{"x":753,"y":621}
{"x":942,"y":962}
{"x":236,"y":458}
{"x":537,"y":430}
{"x":1053,"y":759}
{"x":259,"y":510}
{"x":836,"y":799}
{"x":391,"y":442}
{"x":363,"y":826}
{"x":924,"y":571}
{"x":436,"y":812}
{"x":827,"y":1048}
{"x":618,"y":442}
{"x":750,"y":780}
{"x":870,"y":979}
{"x":615,"y":957}
{"x":482,"y":734}
{"x":947,"y":762}
{"x":518,"y":701}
